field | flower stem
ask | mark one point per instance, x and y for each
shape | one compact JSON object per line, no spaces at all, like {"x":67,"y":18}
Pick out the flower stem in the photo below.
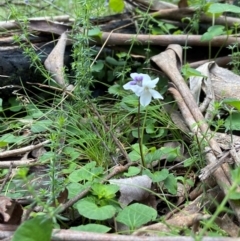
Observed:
{"x":140,"y":134}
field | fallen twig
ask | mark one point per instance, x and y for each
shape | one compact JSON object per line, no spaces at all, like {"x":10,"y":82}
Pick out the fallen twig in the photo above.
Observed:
{"x":180,"y":13}
{"x":22,"y":150}
{"x":164,"y":40}
{"x":17,"y":163}
{"x":221,"y":61}
{"x":72,"y":235}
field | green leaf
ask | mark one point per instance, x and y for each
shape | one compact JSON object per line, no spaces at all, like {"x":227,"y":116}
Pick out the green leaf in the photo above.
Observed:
{"x":98,"y":66}
{"x":116,"y":5}
{"x":212,"y":32}
{"x":87,"y":172}
{"x":188,"y":71}
{"x":153,"y":156}
{"x":41,"y":126}
{"x":171,"y":184}
{"x":188,"y":162}
{"x":232,"y":102}
{"x":234,"y":195}
{"x":170,"y":153}
{"x":114,"y":62}
{"x":10,"y":138}
{"x":15,"y":104}
{"x":136,"y":215}
{"x":150,"y":128}
{"x":135,"y":154}
{"x":132,"y":171}
{"x":3,"y":144}
{"x":74,"y":188}
{"x":159,"y":176}
{"x":95,"y":32}
{"x":116,"y":90}
{"x":35,"y":229}
{"x":104,"y":190}
{"x":232,"y":122}
{"x":45,"y":157}
{"x":223,"y":7}
{"x":95,"y":228}
{"x":72,"y":152}
{"x":33,"y":111}
{"x":92,"y":211}
{"x":131,"y":100}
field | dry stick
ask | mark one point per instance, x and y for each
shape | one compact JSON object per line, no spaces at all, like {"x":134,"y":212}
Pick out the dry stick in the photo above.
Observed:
{"x":178,"y":14}
{"x":72,"y":235}
{"x":114,"y":39}
{"x":221,"y":61}
{"x":164,"y":40}
{"x":22,"y":150}
{"x":12,"y":24}
{"x":168,"y":63}
{"x":18,"y":163}
{"x":116,"y":170}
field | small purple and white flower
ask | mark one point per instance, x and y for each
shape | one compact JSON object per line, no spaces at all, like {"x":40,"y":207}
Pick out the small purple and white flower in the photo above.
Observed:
{"x":143,"y":86}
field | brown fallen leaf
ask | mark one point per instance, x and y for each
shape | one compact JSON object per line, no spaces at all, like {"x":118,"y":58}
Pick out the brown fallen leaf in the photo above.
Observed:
{"x":133,"y":189}
{"x":47,"y":26}
{"x":10,"y":211}
{"x":55,"y":60}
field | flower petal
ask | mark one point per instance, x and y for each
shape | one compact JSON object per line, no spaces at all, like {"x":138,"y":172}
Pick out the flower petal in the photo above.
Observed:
{"x":146,"y":77}
{"x":155,"y":81}
{"x":135,"y":88}
{"x":155,"y":94}
{"x":128,"y":85}
{"x":145,"y":98}
{"x":150,"y":83}
{"x":134,"y":75}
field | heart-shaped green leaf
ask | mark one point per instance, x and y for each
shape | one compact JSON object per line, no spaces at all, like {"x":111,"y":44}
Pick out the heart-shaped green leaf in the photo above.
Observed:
{"x":136,"y":215}
{"x":90,"y":210}
{"x":35,"y":229}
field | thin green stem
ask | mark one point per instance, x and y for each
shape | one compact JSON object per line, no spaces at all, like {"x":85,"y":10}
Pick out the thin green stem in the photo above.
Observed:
{"x":141,"y":134}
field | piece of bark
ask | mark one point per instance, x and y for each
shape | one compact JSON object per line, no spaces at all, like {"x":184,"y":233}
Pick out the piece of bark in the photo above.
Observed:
{"x":15,"y":66}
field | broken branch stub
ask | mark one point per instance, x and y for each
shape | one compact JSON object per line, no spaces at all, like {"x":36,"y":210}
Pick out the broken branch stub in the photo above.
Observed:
{"x":55,"y":60}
